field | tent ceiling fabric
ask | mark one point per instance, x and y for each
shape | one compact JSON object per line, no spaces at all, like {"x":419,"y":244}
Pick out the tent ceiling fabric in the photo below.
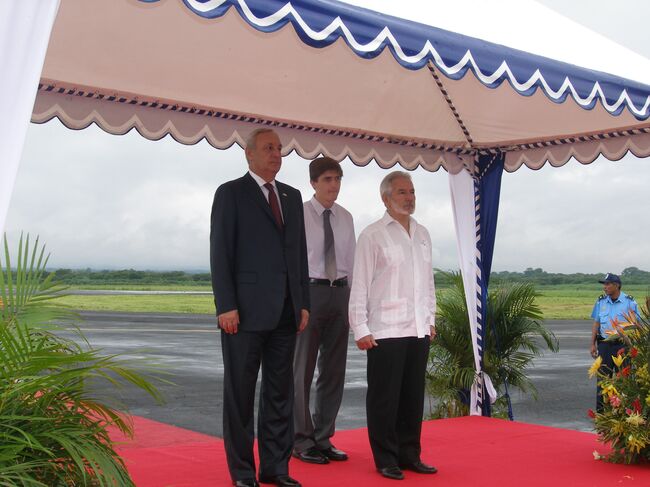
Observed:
{"x":333,"y":79}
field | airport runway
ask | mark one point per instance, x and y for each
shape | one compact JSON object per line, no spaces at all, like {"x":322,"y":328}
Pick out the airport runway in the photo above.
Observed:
{"x":189,"y":347}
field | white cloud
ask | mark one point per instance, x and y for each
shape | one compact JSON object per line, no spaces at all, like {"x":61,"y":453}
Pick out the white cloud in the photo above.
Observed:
{"x":575,"y":218}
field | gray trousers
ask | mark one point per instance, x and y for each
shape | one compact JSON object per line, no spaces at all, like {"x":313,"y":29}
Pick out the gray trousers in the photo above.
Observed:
{"x":324,"y":343}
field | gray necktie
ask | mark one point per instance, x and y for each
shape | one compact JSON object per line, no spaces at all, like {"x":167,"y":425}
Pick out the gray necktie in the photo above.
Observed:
{"x":330,"y":254}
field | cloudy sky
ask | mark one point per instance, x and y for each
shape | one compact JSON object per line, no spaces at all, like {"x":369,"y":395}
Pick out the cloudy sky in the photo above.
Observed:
{"x":104,"y":201}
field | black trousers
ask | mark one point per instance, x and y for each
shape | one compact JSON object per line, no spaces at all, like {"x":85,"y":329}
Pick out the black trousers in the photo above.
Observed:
{"x":395,"y":399}
{"x":243,"y":353}
{"x":606,"y":350}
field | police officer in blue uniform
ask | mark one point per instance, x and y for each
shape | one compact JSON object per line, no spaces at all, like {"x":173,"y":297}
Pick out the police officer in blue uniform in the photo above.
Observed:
{"x":609,"y":306}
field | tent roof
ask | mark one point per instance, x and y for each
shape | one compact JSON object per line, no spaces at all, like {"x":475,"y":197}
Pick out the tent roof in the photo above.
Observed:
{"x":414,"y":45}
{"x":333,"y":79}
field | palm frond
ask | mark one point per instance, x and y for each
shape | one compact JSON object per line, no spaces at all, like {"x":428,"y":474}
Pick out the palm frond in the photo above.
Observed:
{"x":517,"y":320}
{"x":52,"y":430}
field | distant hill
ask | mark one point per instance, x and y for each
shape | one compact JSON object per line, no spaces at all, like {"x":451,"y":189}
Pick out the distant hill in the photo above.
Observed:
{"x":630,"y":275}
{"x":129,"y":276}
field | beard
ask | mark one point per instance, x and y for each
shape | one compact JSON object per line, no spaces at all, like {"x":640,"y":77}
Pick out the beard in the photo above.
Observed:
{"x":406,"y":209}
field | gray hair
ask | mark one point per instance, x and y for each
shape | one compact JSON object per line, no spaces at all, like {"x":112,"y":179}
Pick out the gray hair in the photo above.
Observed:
{"x":251,"y":140}
{"x":386,"y":186}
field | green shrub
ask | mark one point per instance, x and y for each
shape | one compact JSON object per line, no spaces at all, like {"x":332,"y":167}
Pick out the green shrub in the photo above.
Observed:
{"x":518,"y":321}
{"x":53,"y":431}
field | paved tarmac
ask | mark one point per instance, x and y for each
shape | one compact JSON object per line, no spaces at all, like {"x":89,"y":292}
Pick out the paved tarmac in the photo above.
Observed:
{"x":188,"y":346}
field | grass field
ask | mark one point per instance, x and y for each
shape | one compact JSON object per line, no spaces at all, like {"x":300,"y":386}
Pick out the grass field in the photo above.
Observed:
{"x":175,"y":303}
{"x":144,"y":287}
{"x":557,"y":302}
{"x":570,"y":302}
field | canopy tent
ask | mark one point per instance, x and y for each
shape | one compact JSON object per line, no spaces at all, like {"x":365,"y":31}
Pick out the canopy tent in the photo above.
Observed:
{"x":407,"y":76}
{"x":341,"y":81}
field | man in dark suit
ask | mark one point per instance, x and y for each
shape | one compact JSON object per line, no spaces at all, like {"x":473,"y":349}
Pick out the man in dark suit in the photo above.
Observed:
{"x":260,"y":280}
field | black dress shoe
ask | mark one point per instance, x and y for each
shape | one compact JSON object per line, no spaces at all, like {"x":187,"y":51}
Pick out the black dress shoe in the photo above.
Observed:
{"x":334,"y":454}
{"x":280,"y":481}
{"x":419,"y":467}
{"x":311,"y":455}
{"x":245,"y":483}
{"x":393,"y":472}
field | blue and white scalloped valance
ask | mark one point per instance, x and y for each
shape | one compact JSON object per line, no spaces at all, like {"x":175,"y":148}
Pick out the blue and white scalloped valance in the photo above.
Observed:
{"x":413,"y":45}
{"x":216,"y":69}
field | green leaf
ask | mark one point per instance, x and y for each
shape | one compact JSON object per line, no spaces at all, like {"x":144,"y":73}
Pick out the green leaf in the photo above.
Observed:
{"x":53,"y":432}
{"x":520,"y":334}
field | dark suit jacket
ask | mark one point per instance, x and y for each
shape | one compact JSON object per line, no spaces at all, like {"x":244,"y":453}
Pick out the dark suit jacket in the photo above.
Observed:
{"x":253,"y":262}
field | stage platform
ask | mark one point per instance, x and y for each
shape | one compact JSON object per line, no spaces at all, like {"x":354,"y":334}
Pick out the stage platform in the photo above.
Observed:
{"x":468,"y":451}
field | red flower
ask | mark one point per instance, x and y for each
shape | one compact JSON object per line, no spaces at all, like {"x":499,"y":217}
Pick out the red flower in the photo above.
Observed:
{"x":628,"y":411}
{"x":621,"y":351}
{"x":636,"y":404}
{"x":633,"y":352}
{"x":625,"y":371}
{"x":590,"y":413}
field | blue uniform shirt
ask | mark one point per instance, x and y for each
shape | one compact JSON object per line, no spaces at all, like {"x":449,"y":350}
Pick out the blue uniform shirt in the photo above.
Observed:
{"x":607,"y":309}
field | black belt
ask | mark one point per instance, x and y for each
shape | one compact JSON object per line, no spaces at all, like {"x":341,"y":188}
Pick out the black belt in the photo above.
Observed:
{"x":600,"y":339}
{"x":326,"y":282}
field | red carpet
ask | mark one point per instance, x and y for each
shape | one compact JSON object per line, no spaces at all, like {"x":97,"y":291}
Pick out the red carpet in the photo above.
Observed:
{"x":469,"y":451}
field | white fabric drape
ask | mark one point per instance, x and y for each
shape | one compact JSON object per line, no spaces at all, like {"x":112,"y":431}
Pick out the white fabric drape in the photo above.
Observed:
{"x":461,"y":186}
{"x":463,"y":203}
{"x":25,"y":28}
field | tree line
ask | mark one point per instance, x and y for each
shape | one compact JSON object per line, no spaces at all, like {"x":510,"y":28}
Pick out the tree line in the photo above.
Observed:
{"x":629,"y":275}
{"x":80,"y":277}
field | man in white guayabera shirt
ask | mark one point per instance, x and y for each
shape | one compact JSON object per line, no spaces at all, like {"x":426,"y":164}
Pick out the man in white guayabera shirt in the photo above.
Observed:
{"x":392,"y":315}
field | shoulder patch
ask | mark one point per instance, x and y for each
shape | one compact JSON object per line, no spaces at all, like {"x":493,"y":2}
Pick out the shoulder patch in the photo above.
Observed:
{"x":602,"y":296}
{"x":630,"y":297}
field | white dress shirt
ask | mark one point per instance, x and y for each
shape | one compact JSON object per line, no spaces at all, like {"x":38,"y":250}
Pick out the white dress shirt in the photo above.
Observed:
{"x":344,"y":239}
{"x":393,"y":294}
{"x":265,"y":191}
